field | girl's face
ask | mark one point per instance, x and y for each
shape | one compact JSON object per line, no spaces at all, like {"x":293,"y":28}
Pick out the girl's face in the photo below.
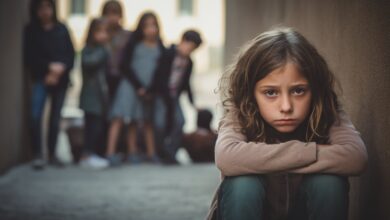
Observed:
{"x":150,"y":29}
{"x":100,"y":35}
{"x":113,"y":18}
{"x":45,"y":12}
{"x":283,"y":98}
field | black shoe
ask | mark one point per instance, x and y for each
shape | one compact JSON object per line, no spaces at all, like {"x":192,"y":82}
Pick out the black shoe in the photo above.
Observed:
{"x":170,"y":161}
{"x":38,"y":164}
{"x":115,"y":160}
{"x":54,"y":161}
{"x":153,"y":159}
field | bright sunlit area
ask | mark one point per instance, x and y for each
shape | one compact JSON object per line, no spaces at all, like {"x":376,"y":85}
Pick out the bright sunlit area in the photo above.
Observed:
{"x":175,"y":17}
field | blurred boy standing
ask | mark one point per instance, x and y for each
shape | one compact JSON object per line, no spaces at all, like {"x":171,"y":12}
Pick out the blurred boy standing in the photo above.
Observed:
{"x":173,"y":79}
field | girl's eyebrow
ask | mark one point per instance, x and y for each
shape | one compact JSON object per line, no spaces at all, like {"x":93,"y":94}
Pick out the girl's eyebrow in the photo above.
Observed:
{"x":269,"y":86}
{"x":300,"y":84}
{"x":277,"y":86}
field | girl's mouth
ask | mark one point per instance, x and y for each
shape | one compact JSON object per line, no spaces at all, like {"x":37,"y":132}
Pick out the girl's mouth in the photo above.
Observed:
{"x":285,"y":122}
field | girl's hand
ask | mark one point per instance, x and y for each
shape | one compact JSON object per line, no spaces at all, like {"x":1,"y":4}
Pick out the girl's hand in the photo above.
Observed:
{"x":57,"y":68}
{"x":51,"y":79}
{"x":141,"y":92}
{"x":148,"y":96}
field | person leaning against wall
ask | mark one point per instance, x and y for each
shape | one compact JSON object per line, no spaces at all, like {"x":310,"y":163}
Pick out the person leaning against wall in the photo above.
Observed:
{"x":48,"y":58}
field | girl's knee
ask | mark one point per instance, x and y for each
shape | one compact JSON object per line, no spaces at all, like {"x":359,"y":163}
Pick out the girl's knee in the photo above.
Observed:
{"x":326,"y":185}
{"x":244,"y":188}
{"x":241,"y":197}
{"x":327,"y":196}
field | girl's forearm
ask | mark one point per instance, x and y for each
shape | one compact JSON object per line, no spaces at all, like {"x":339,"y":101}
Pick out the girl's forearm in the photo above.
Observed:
{"x":235,"y":156}
{"x":346,"y":154}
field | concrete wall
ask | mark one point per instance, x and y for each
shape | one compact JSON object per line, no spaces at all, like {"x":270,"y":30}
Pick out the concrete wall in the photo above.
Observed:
{"x":12,"y":110}
{"x":354,"y":37}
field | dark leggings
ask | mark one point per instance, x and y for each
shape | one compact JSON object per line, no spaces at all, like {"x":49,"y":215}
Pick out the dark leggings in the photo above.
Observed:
{"x":320,"y":197}
{"x":93,"y":133}
{"x":39,"y":94}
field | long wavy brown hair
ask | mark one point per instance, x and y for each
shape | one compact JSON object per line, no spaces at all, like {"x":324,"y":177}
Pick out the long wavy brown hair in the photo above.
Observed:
{"x":265,"y":53}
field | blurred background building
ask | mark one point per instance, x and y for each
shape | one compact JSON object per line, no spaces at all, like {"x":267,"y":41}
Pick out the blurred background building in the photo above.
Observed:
{"x":353,"y":36}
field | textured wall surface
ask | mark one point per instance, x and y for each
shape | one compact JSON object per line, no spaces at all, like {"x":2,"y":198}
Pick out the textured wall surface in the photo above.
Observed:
{"x":12,"y":16}
{"x":354,"y":37}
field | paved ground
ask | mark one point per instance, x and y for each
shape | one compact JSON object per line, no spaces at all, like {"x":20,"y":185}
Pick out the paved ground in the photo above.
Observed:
{"x":144,"y":192}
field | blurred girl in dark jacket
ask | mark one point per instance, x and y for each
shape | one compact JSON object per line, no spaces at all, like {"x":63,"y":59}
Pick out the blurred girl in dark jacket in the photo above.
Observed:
{"x":94,"y":92}
{"x":48,"y":58}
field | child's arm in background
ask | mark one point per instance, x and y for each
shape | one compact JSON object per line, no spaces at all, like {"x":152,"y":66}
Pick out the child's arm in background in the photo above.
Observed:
{"x":126,"y":68}
{"x":69,"y":53}
{"x":37,"y":64}
{"x":93,"y":58}
{"x":235,"y":156}
{"x":187,"y":85}
{"x":346,"y":154}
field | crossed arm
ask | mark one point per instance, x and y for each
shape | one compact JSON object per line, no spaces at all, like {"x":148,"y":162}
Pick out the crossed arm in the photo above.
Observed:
{"x":345,"y":155}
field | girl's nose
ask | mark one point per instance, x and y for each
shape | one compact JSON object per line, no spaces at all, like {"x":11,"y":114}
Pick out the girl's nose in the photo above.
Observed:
{"x":286,"y":104}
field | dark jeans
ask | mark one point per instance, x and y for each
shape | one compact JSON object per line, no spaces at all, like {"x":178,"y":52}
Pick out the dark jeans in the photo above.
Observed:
{"x":39,"y":94}
{"x":173,"y":141}
{"x":93,"y":133}
{"x":320,"y":197}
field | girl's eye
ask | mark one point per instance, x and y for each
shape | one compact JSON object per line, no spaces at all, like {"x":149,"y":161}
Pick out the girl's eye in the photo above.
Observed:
{"x":270,"y":93}
{"x":298,"y":91}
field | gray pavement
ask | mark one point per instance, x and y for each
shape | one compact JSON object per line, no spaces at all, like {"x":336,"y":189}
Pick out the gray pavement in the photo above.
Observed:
{"x":144,"y":192}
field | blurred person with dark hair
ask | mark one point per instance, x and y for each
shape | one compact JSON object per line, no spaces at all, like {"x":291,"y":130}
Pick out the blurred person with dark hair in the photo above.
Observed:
{"x":134,"y":101}
{"x":94,"y":92}
{"x":200,"y":143}
{"x":48,"y":58}
{"x":174,"y":78}
{"x":113,"y":13}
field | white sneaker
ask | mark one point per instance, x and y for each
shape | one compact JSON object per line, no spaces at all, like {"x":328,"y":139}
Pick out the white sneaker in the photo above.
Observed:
{"x":94,"y":162}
